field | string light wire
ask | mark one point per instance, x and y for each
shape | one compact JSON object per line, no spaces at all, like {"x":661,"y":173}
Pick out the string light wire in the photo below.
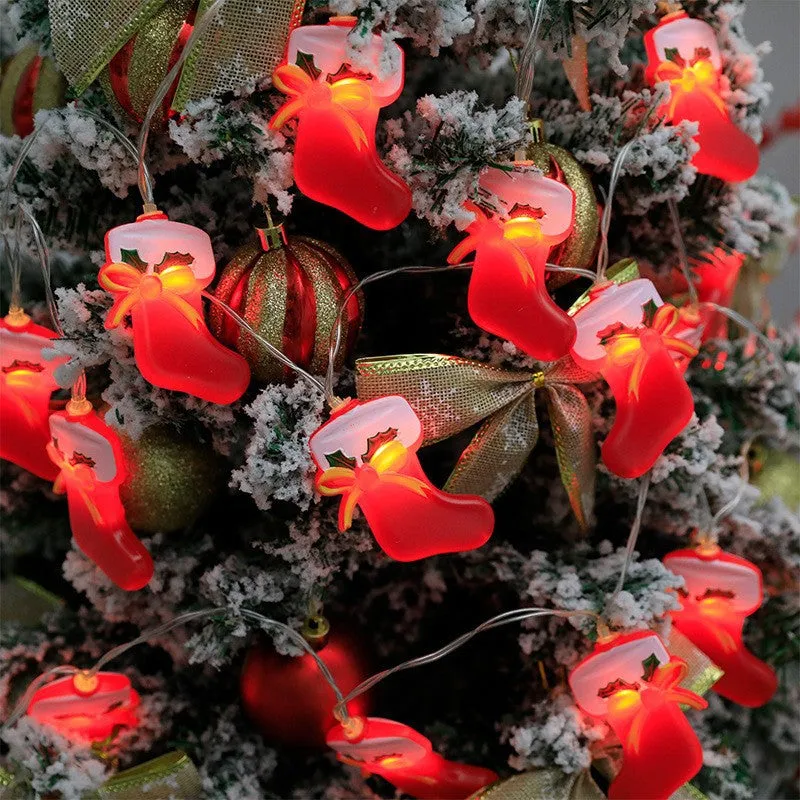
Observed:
{"x":605,"y":220}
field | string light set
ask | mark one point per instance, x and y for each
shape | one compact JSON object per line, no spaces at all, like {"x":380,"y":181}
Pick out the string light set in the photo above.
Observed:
{"x":158,"y":272}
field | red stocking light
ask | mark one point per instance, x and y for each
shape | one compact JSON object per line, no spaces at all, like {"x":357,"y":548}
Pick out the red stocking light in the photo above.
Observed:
{"x":335,"y":160}
{"x":91,"y":468}
{"x":86,"y":707}
{"x":684,"y":52}
{"x":654,"y":403}
{"x":406,"y":759}
{"x":521,"y":217}
{"x":714,"y":275}
{"x":366,"y":453}
{"x":157,"y":270}
{"x":631,"y":682}
{"x":26,"y":383}
{"x":722,"y":590}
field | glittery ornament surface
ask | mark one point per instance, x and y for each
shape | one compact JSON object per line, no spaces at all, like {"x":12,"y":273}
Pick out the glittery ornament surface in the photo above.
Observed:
{"x":29,"y":83}
{"x":556,"y":162}
{"x":136,"y":71}
{"x":543,"y":784}
{"x":290,"y":293}
{"x":171,"y":480}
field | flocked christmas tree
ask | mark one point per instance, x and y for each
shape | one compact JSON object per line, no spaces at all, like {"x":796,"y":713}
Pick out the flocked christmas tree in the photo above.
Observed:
{"x":402,"y":317}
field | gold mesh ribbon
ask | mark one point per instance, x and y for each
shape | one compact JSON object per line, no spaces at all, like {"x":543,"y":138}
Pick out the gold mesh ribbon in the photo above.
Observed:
{"x":703,"y":672}
{"x":543,"y":784}
{"x":451,"y":394}
{"x":170,"y":776}
{"x":243,"y":44}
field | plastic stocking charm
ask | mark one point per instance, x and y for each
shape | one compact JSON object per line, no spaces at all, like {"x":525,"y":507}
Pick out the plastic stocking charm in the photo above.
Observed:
{"x":654,"y":403}
{"x":407,"y":760}
{"x":86,"y":707}
{"x":631,"y":682}
{"x":26,"y":383}
{"x":366,"y":453}
{"x":685,"y":52}
{"x":90,"y":463}
{"x":507,"y":292}
{"x":722,"y":590}
{"x":157,"y":270}
{"x":335,"y":160}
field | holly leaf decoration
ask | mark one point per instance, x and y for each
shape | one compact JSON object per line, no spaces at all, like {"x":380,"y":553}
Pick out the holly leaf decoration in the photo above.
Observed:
{"x":374,"y":442}
{"x":131,"y":257}
{"x":649,"y":309}
{"x":339,"y":459}
{"x":672,"y":54}
{"x":701,"y":54}
{"x":345,"y":71}
{"x":650,"y":665}
{"x":175,"y":260}
{"x":306,"y":62}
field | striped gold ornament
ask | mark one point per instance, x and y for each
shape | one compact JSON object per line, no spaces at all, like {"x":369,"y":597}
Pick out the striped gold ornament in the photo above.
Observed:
{"x":289,"y":289}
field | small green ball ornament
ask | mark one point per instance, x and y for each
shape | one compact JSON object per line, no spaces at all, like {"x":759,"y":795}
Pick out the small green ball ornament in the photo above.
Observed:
{"x":171,"y":480}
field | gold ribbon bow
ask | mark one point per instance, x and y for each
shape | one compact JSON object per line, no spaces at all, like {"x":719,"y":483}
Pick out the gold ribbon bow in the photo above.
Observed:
{"x":700,"y":76}
{"x":630,"y":346}
{"x":78,"y":475}
{"x":515,"y":231}
{"x":341,"y":97}
{"x":663,"y":687}
{"x":241,"y":45}
{"x":132,"y":286}
{"x":451,"y":394}
{"x":383,"y":467}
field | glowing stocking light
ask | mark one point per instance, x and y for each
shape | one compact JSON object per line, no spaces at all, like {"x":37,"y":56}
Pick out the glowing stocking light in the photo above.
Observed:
{"x":157,"y":270}
{"x":638,"y":361}
{"x":85,"y":707}
{"x":336,"y":106}
{"x":366,"y":453}
{"x":26,"y":383}
{"x":91,"y":468}
{"x":632,"y":683}
{"x":406,"y":759}
{"x":519,"y":218}
{"x":721,"y":591}
{"x":685,"y":52}
{"x":714,"y":277}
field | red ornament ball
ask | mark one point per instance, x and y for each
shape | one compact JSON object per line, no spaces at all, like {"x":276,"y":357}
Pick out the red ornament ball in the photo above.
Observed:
{"x":290,"y":701}
{"x":289,"y":289}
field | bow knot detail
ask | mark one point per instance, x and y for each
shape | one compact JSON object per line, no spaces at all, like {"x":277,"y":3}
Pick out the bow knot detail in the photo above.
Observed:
{"x":342,"y":97}
{"x":628,"y":346}
{"x":79,"y":475}
{"x":516,"y":232}
{"x":451,"y":394}
{"x":132,"y":286}
{"x":664,"y":687}
{"x":383,"y":468}
{"x":700,"y":75}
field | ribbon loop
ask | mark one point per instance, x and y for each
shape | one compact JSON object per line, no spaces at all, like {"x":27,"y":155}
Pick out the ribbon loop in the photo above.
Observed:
{"x":132,"y":286}
{"x":342,"y":98}
{"x":451,"y":394}
{"x":78,"y":475}
{"x":700,"y":75}
{"x":383,"y":468}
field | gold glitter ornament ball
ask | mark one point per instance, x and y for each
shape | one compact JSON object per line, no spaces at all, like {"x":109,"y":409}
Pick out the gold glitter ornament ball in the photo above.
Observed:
{"x":29,"y":83}
{"x":289,"y":289}
{"x":132,"y":76}
{"x":580,"y":247}
{"x":776,"y":474}
{"x":171,"y":480}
